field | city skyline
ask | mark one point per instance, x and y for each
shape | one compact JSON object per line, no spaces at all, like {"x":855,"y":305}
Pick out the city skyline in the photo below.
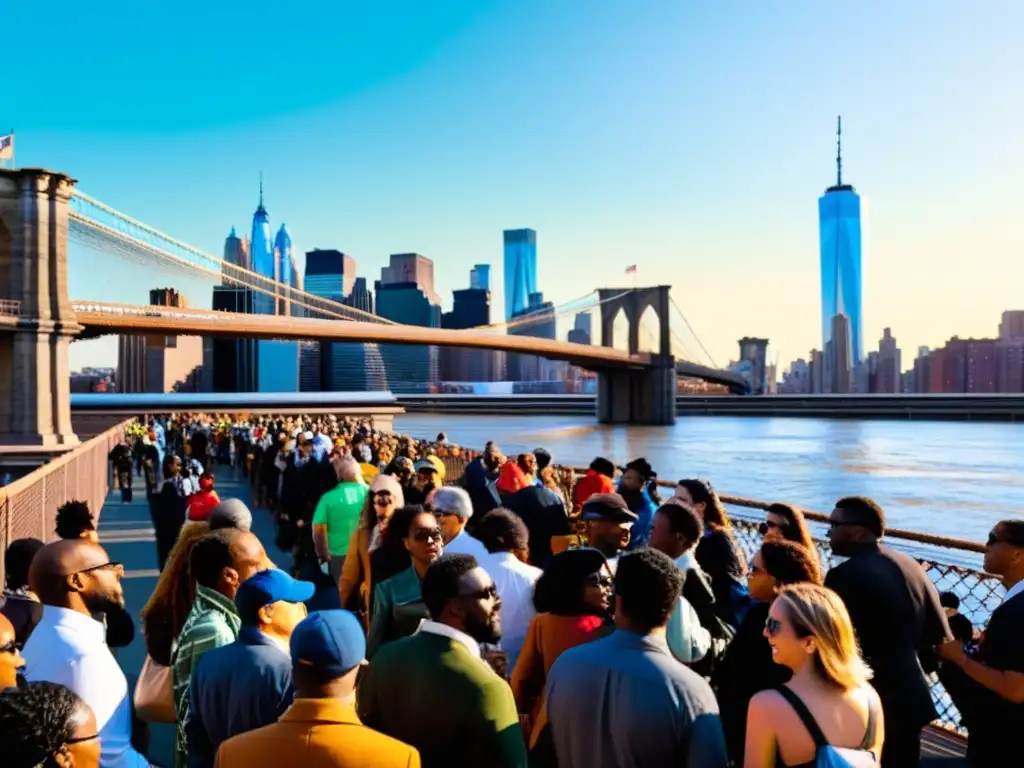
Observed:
{"x":689,"y":140}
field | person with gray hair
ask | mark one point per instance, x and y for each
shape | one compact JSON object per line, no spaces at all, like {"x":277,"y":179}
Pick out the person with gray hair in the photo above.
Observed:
{"x":337,"y":516}
{"x":453,"y":508}
{"x":231,"y":513}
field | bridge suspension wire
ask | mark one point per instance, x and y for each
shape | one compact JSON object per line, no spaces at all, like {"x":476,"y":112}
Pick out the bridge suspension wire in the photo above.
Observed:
{"x":693,"y":333}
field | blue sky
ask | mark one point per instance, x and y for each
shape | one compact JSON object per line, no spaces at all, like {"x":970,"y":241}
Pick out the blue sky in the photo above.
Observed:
{"x":690,"y":138}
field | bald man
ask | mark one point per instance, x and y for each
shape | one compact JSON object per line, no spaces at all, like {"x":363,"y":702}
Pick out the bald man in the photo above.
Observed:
{"x":75,"y":581}
{"x":10,"y":660}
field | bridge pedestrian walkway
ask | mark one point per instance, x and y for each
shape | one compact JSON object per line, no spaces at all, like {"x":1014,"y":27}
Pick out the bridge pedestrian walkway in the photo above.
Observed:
{"x":127,"y":534}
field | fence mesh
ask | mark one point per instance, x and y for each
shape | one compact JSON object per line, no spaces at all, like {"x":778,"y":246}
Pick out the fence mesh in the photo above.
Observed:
{"x":28,"y":506}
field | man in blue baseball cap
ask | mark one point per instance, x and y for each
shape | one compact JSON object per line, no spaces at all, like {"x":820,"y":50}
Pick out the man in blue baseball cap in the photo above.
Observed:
{"x":321,"y":727}
{"x":247,"y":684}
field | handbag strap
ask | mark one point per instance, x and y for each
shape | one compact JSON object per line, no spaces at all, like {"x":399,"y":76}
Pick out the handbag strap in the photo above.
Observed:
{"x":805,"y":716}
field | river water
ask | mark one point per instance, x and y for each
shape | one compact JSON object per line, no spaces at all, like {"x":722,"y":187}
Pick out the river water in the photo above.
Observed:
{"x":948,"y":478}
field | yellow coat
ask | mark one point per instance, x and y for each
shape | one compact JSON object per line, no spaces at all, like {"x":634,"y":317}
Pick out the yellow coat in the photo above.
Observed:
{"x":316,"y":733}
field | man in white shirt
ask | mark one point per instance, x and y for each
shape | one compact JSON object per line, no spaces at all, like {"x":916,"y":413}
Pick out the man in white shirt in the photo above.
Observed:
{"x":453,"y":508}
{"x":506,"y":538}
{"x":75,"y":580}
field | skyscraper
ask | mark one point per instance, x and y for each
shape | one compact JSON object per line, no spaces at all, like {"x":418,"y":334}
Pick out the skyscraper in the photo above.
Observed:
{"x":329,"y":274}
{"x":537,"y":319}
{"x":520,"y":269}
{"x":471,"y":308}
{"x":236,"y":252}
{"x":840,"y":238}
{"x":480,"y":277}
{"x":409,"y":368}
{"x":261,"y":246}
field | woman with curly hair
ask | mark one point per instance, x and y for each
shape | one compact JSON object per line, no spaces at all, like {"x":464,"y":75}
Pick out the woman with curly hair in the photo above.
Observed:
{"x":45,"y":724}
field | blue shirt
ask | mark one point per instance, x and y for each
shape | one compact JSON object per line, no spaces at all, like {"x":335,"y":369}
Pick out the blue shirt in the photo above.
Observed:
{"x":624,"y":702}
{"x":235,"y":689}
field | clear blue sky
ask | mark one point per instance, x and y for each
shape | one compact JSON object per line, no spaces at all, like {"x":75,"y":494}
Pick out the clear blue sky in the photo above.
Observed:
{"x":690,"y":138}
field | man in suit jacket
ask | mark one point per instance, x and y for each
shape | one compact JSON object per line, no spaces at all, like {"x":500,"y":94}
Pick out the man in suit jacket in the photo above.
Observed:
{"x":434,"y":691}
{"x":898,"y":618}
{"x":321,"y":728}
{"x":988,"y":686}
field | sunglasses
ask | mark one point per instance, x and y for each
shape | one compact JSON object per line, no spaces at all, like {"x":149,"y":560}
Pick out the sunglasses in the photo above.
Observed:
{"x":112,"y":565}
{"x":428,"y":534}
{"x":772,"y":627}
{"x":767,"y":525}
{"x":382,"y":497}
{"x":487,"y":593}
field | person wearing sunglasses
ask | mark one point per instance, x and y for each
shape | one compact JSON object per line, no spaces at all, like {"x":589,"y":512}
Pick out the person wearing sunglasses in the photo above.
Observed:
{"x":76,"y":581}
{"x":398,"y":604}
{"x":748,"y":667}
{"x":987,"y":685}
{"x":784,"y":521}
{"x":433,"y":690}
{"x":10,"y":659}
{"x":48,"y":725}
{"x":898,"y":618}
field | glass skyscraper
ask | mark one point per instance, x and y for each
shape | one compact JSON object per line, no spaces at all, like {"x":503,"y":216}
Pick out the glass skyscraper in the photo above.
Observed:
{"x":261,"y":245}
{"x":520,"y":270}
{"x":840,"y":236}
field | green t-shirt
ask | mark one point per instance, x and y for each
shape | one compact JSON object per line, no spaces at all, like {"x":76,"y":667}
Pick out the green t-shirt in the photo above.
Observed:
{"x":339,"y":510}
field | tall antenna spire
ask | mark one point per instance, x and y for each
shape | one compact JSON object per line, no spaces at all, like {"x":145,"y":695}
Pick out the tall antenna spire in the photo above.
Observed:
{"x":839,"y":151}
{"x":261,"y":189}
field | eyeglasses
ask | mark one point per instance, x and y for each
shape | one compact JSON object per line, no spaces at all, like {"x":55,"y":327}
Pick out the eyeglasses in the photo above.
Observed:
{"x":772,"y":626}
{"x":112,"y":565}
{"x":428,"y":534}
{"x":487,"y":593}
{"x":767,"y":525}
{"x":382,"y":497}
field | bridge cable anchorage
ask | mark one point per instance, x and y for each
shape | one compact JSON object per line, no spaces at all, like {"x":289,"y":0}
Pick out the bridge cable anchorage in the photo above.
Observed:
{"x":693,"y":332}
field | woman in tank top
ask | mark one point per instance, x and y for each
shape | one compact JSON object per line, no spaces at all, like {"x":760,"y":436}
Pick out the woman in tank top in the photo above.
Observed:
{"x":828,"y":701}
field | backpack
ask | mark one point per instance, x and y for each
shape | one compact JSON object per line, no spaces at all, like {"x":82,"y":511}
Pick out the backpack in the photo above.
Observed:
{"x":825,"y":755}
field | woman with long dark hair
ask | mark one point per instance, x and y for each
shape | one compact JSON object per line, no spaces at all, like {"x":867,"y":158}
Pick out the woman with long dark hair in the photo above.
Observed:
{"x":573,"y":601}
{"x":786,"y":522}
{"x":718,"y":554}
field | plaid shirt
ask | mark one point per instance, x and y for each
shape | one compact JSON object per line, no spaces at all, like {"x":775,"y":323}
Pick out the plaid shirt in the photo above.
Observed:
{"x":211,"y":623}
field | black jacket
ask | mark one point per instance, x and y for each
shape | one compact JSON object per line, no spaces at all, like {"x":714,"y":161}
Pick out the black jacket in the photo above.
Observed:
{"x":896,"y":613}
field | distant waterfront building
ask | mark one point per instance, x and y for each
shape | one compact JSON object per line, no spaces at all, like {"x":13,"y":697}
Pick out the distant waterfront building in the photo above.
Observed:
{"x":538,"y":321}
{"x":261,"y":243}
{"x":1010,"y":365}
{"x":816,"y":371}
{"x":309,"y":366}
{"x":283,"y":264}
{"x":330,"y":274}
{"x":889,"y":365}
{"x":412,"y":268}
{"x":838,"y":359}
{"x":159,"y":363}
{"x":409,"y":368}
{"x":233,"y":361}
{"x":520,"y":268}
{"x":755,"y":352}
{"x":237,"y":253}
{"x":797,"y":380}
{"x":361,"y":297}
{"x":582,"y":330}
{"x":840,"y":242}
{"x":480,"y":277}
{"x":1011,"y":326}
{"x":471,"y":308}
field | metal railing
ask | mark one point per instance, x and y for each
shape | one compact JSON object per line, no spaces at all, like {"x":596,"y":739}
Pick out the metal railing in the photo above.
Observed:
{"x":10,"y":307}
{"x":980,"y":593}
{"x":28,"y":506}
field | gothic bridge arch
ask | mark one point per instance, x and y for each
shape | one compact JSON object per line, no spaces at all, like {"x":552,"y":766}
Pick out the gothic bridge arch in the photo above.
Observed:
{"x":633,"y":303}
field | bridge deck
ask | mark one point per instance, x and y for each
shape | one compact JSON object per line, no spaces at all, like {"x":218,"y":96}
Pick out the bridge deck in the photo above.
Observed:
{"x":127,"y":534}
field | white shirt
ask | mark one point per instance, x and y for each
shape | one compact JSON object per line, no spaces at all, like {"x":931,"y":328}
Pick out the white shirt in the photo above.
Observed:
{"x":514,"y":580}
{"x":464,"y":544}
{"x":70,"y":648}
{"x":1011,"y":593}
{"x":436,"y":628}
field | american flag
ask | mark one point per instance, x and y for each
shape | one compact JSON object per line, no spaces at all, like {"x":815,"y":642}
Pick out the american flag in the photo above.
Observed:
{"x":7,"y":146}
{"x":631,"y":269}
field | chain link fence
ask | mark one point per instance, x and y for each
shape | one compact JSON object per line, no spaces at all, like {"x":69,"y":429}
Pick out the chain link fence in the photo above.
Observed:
{"x":28,"y":506}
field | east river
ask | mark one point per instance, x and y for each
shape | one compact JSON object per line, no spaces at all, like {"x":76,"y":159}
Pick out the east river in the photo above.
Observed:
{"x":949,"y":478}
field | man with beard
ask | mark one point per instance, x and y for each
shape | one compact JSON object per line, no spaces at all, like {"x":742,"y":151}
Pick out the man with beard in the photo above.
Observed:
{"x":609,"y":522}
{"x":433,"y":690}
{"x":76,"y":581}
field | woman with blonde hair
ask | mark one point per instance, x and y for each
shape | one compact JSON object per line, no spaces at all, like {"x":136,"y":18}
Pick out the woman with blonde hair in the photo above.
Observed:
{"x":828,"y":710}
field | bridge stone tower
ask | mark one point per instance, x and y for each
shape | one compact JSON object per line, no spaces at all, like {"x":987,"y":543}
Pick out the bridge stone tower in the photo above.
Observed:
{"x":641,"y":395}
{"x":37,"y":323}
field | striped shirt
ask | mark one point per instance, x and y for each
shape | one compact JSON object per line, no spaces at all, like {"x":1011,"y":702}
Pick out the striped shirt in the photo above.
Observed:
{"x":212,"y":623}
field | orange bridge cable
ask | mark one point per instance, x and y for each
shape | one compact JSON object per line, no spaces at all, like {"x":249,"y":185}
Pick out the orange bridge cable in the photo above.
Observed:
{"x":129,"y":245}
{"x":82,"y":224}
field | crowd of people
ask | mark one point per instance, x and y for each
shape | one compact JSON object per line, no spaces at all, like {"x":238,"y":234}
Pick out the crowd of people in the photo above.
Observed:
{"x":487,"y":612}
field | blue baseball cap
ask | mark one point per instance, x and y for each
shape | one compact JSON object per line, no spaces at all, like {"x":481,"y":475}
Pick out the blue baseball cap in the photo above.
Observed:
{"x":268,"y":587}
{"x":331,"y":642}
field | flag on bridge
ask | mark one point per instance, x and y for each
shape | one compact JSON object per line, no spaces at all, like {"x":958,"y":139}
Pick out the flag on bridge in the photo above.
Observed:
{"x":631,"y":269}
{"x":7,"y":146}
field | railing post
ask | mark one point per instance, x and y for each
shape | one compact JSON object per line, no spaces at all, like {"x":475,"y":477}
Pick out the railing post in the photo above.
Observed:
{"x":35,"y":397}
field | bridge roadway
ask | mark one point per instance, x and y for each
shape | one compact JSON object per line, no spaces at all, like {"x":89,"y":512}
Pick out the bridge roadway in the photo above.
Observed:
{"x":103,"y":318}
